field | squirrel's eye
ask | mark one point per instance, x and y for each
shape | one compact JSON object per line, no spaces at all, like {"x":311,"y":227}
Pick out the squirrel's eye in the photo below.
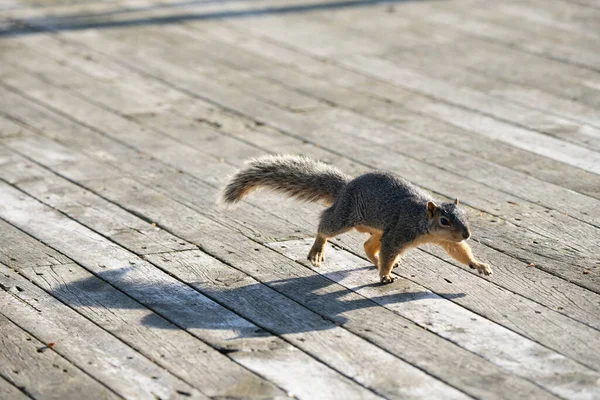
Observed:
{"x":444,"y":221}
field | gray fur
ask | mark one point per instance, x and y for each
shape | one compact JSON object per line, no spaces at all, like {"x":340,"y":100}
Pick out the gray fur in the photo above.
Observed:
{"x":398,"y":213}
{"x":381,"y":200}
{"x":295,"y":176}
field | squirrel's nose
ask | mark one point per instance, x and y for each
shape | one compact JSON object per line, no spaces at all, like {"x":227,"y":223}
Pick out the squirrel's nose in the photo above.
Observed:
{"x":466,"y":234}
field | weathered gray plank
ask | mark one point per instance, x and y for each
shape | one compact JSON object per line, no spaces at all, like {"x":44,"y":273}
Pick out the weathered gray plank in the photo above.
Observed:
{"x":281,"y":315}
{"x":509,"y":278}
{"x":568,"y":18}
{"x":8,"y":391}
{"x":587,"y":3}
{"x":171,"y":299}
{"x":424,"y":46}
{"x":485,"y":178}
{"x":144,"y":107}
{"x":519,"y":186}
{"x":523,"y":288}
{"x":343,"y":267}
{"x":553,"y":45}
{"x":463,"y":97}
{"x":165,"y":343}
{"x":149,"y":239}
{"x":243,"y":254}
{"x":121,"y":190}
{"x":43,"y":185}
{"x":526,"y":291}
{"x":487,"y":173}
{"x":388,"y":105}
{"x":100,"y":355}
{"x":9,"y":128}
{"x":546,"y":260}
{"x":39,"y":371}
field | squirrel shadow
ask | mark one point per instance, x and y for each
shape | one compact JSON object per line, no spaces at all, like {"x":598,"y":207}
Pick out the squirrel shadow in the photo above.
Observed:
{"x":293,"y":305}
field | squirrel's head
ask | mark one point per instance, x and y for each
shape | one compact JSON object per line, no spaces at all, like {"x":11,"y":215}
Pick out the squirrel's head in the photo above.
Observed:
{"x":447,"y":221}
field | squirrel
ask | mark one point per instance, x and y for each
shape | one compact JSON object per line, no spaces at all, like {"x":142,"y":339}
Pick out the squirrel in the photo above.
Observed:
{"x":397,"y":214}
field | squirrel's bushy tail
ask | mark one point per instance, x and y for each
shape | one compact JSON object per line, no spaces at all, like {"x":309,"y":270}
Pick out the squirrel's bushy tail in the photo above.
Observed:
{"x":295,"y":176}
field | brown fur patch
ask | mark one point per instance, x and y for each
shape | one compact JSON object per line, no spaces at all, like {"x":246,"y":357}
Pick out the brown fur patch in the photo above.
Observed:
{"x":368,"y":229}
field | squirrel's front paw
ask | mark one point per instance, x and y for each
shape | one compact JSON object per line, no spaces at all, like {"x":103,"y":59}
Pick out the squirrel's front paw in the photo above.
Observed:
{"x":316,"y":257}
{"x":481,"y":268}
{"x":385,"y":279}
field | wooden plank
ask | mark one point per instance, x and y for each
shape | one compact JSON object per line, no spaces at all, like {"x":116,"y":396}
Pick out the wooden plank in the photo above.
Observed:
{"x":242,"y":253}
{"x":91,"y":349}
{"x":186,"y":260}
{"x":473,"y":118}
{"x":545,"y":260}
{"x":170,"y":298}
{"x":520,"y":184}
{"x":40,"y":372}
{"x":551,"y":123}
{"x":443,"y":320}
{"x":486,"y":178}
{"x":115,"y":221}
{"x":8,"y":391}
{"x":120,"y":190}
{"x":532,"y":196}
{"x":525,"y":291}
{"x":553,"y":45}
{"x":587,"y":3}
{"x":491,"y":223}
{"x":464,"y":59}
{"x":281,"y":315}
{"x":9,"y":128}
{"x":42,"y":185}
{"x":566,"y":17}
{"x":513,"y":160}
{"x":522,"y":289}
{"x":192,"y":360}
{"x":388,"y":105}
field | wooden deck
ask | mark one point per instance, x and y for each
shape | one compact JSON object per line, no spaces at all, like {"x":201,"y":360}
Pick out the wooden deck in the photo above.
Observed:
{"x":120,"y":120}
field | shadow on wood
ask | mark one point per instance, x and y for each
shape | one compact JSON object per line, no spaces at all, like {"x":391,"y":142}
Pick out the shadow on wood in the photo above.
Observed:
{"x":267,"y":307}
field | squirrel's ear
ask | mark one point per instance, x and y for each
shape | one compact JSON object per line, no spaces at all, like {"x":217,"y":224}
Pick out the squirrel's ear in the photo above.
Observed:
{"x":456,"y":201}
{"x":431,"y":209}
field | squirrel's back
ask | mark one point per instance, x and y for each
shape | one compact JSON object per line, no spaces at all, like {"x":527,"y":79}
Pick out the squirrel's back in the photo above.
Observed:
{"x":296,"y":176}
{"x":378,"y":199}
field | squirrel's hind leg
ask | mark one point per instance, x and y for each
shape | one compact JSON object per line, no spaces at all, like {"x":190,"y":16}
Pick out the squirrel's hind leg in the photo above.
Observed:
{"x":391,"y":250}
{"x":330,"y":225}
{"x":316,"y":255}
{"x":393,"y":245}
{"x":372,"y":247}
